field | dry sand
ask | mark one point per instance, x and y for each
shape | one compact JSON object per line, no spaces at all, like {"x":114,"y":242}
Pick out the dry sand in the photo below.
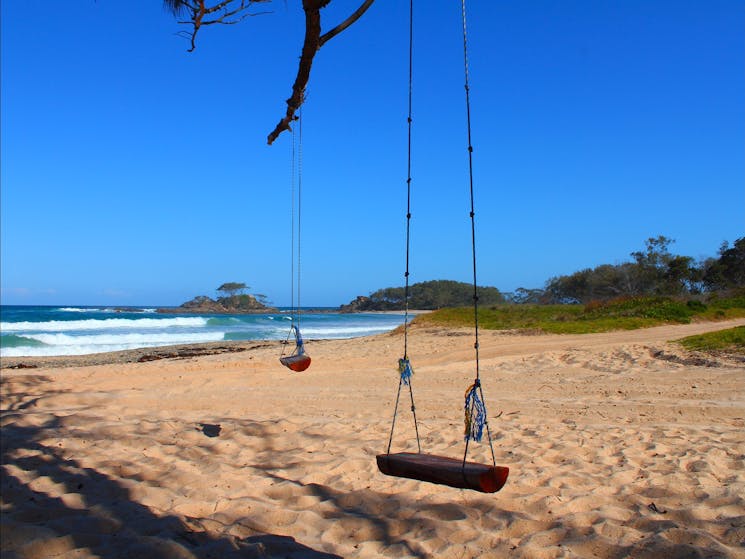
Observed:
{"x":619,"y":445}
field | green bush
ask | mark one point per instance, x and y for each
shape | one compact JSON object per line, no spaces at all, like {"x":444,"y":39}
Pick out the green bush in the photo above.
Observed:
{"x":732,"y":339}
{"x":735,"y":302}
{"x":696,"y":306}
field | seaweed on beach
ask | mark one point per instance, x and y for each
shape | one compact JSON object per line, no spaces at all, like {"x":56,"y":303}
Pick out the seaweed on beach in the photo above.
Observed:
{"x":189,"y":352}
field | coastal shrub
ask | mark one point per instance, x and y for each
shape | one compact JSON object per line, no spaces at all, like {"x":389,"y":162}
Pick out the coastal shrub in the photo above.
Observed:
{"x":732,"y":340}
{"x":696,"y":306}
{"x":658,"y":308}
{"x":727,"y":306}
{"x":733,"y":302}
{"x":625,"y":313}
{"x":594,"y":306}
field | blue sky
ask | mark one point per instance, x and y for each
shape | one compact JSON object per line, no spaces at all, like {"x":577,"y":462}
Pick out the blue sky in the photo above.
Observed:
{"x":136,"y":173}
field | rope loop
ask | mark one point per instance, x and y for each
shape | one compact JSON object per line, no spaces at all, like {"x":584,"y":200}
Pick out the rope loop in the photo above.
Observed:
{"x":405,"y":370}
{"x":475,"y":413}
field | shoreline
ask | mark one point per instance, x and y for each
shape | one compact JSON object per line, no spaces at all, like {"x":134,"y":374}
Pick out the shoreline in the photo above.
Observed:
{"x":201,"y":349}
{"x":203,"y":340}
{"x":139,"y":355}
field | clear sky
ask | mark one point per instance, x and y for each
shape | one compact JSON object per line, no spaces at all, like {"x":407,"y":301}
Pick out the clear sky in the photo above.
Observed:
{"x":136,"y":173}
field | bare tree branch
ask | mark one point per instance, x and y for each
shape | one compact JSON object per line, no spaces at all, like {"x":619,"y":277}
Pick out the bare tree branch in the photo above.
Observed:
{"x":313,"y":42}
{"x":346,"y":23}
{"x":226,"y":12}
{"x":229,"y":12}
{"x":310,"y":47}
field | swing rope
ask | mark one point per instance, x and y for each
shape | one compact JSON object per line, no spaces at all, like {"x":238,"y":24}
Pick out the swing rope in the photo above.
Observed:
{"x":296,"y":155}
{"x":293,"y":180}
{"x":475,"y":408}
{"x":299,"y":209}
{"x":430,"y":467}
{"x":404,"y":366}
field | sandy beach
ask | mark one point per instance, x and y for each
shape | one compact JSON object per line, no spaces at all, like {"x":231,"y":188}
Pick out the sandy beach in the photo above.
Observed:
{"x":619,"y":445}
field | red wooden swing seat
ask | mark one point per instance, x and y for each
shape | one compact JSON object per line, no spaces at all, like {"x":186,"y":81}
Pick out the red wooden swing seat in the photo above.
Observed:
{"x":444,"y":471}
{"x":298,"y":362}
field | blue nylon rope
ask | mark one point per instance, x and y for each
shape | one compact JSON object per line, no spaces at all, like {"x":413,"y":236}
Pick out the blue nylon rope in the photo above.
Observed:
{"x":404,"y":367}
{"x":475,"y":414}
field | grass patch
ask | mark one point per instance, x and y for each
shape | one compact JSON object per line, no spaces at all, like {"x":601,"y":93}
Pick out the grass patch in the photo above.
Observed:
{"x":730,"y":340}
{"x":627,"y":313}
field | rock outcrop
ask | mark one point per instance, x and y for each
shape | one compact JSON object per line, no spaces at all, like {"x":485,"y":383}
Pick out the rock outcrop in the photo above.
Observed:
{"x":235,"y":304}
{"x":360,"y":304}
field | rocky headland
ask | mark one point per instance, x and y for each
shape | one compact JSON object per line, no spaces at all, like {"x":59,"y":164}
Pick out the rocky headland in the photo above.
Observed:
{"x":235,"y":304}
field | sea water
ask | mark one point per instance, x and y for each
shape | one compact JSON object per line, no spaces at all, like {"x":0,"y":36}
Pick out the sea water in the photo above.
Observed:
{"x":28,"y":331}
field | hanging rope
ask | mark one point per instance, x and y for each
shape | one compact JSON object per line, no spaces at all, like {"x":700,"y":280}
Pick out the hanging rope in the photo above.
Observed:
{"x":293,"y":180}
{"x":298,"y":360}
{"x":475,"y":409}
{"x":295,"y":208}
{"x":299,"y":210}
{"x":404,"y":366}
{"x":408,"y":180}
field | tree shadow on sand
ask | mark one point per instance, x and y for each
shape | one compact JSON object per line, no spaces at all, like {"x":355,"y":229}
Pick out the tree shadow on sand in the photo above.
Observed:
{"x":95,"y":512}
{"x":53,"y":504}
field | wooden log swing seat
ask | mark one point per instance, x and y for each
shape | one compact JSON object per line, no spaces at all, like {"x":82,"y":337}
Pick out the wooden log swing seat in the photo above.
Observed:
{"x":444,"y":471}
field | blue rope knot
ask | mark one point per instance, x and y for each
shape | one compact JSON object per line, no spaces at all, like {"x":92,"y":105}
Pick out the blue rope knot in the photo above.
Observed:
{"x":299,"y":346}
{"x":475,"y":413}
{"x":404,"y":368}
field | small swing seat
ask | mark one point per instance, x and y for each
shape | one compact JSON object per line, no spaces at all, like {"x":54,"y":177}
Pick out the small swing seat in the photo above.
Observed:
{"x":298,"y":362}
{"x":444,"y":471}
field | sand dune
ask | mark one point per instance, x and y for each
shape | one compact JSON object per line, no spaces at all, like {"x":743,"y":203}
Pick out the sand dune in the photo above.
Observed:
{"x":619,"y":445}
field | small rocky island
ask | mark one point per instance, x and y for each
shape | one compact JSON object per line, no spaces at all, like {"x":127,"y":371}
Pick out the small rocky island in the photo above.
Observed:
{"x":232,"y":301}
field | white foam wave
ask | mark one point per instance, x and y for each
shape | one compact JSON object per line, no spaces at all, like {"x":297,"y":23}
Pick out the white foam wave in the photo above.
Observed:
{"x":132,"y":338}
{"x":63,"y":344}
{"x":104,"y":324}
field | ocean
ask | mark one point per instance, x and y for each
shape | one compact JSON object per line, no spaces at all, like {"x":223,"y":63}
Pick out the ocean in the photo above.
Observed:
{"x":36,"y":331}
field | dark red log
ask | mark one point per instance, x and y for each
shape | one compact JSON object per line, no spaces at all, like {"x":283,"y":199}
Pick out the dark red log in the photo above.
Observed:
{"x":296,"y":363}
{"x":444,"y":471}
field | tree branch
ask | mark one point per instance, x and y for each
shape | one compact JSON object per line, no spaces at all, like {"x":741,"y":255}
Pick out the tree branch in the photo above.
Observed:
{"x":226,"y":12}
{"x":233,"y":11}
{"x":310,"y":47}
{"x":313,"y":42}
{"x":346,"y":23}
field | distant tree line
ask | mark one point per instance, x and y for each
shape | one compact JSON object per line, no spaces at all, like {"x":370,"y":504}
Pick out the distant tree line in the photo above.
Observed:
{"x":654,"y":271}
{"x":427,"y":295}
